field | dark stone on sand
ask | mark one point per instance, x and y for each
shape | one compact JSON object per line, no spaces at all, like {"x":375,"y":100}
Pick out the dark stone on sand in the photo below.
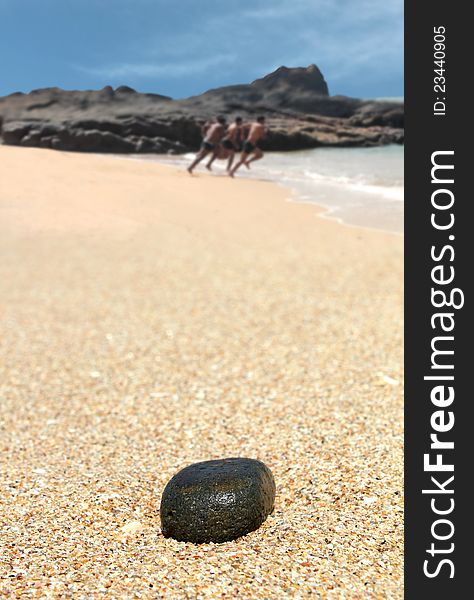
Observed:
{"x":217,"y":500}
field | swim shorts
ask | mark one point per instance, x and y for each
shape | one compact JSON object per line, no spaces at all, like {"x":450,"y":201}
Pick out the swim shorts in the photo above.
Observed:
{"x":248,"y":147}
{"x":207,"y":145}
{"x":228,"y":144}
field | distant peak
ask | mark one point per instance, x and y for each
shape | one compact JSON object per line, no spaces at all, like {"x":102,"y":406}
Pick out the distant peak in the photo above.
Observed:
{"x":125,"y":89}
{"x":297,"y":78}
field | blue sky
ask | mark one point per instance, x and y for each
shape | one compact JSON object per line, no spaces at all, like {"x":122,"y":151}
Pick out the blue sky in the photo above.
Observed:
{"x":184,"y":47}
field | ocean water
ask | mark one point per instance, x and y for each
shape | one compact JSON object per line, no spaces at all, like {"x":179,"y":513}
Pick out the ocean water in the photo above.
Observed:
{"x":356,"y":186}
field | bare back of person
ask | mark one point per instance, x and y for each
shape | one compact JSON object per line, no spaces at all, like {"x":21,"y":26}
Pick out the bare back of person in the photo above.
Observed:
{"x":233,"y":132}
{"x":256,"y":132}
{"x":229,"y":145}
{"x":213,"y":134}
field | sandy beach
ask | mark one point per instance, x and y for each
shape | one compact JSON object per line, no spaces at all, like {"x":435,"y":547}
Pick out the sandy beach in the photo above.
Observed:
{"x":150,"y":320}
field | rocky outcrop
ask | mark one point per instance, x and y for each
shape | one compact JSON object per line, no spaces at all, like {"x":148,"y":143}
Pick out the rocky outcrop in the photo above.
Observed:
{"x":92,"y":135}
{"x":296,"y":80}
{"x":299,"y":110}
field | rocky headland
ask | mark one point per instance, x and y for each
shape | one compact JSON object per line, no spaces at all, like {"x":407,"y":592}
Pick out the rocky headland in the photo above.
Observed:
{"x":300,"y":112}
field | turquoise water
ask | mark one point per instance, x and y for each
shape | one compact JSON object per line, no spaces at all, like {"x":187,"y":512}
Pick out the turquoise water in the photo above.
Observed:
{"x":358,"y":186}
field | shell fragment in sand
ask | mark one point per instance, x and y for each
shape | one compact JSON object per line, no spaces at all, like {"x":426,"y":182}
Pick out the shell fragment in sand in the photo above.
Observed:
{"x":130,"y":529}
{"x":388,"y":379}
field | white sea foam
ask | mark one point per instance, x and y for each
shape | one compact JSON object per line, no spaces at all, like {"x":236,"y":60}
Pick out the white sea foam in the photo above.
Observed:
{"x":358,"y":186}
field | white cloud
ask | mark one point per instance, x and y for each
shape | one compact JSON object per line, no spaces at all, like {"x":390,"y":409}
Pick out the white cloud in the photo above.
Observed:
{"x":344,"y":11}
{"x":348,"y":39}
{"x":151,"y":69}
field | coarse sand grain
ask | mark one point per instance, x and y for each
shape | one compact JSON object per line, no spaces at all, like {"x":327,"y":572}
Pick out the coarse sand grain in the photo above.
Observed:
{"x":151,"y":320}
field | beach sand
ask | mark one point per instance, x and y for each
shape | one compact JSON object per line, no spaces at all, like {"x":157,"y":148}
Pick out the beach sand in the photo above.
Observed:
{"x":151,"y":320}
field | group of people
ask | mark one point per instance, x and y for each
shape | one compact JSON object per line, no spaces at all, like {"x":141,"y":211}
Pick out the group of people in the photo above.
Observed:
{"x":223,"y":142}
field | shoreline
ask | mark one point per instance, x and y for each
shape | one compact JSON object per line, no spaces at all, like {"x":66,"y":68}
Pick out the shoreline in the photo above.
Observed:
{"x":325,"y":213}
{"x":152,"y":320}
{"x":325,"y":210}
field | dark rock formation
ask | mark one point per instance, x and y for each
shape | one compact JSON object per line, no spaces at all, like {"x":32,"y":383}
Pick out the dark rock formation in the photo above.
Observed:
{"x":124,"y":89}
{"x":217,"y":500}
{"x":299,"y":111}
{"x":128,"y":136}
{"x":295,"y":80}
{"x":13,"y":132}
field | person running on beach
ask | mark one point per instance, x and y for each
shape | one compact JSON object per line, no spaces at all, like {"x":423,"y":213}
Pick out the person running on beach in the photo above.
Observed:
{"x":257,"y":131}
{"x":230,"y":144}
{"x":221,"y":153}
{"x":213,"y":134}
